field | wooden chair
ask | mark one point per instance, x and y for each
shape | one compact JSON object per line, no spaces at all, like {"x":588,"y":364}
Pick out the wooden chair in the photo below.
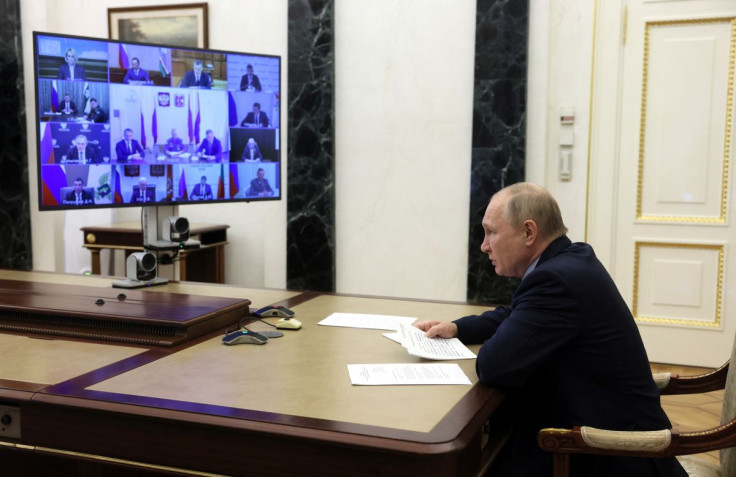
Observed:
{"x":660,"y":443}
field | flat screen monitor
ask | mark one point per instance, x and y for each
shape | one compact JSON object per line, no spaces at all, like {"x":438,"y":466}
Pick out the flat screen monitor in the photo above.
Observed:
{"x":129,"y":124}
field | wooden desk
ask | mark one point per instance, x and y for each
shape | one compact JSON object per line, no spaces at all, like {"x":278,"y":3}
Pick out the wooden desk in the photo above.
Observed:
{"x":206,"y":264}
{"x":284,"y":408}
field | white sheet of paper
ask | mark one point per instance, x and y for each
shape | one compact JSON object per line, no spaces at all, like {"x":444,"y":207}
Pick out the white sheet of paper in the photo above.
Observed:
{"x":361,"y":320}
{"x":401,"y":374}
{"x":414,"y":340}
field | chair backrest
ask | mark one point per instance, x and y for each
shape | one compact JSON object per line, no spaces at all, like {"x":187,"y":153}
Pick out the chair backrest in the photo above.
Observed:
{"x":728,"y":455}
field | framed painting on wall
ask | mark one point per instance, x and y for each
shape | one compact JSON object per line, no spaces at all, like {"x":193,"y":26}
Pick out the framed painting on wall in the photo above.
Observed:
{"x":177,"y":25}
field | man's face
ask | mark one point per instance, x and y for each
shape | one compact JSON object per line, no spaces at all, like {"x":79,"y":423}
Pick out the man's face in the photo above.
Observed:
{"x":256,"y":109}
{"x":504,"y":244}
{"x":93,"y":104}
{"x":128,"y":135}
{"x":143,"y":185}
{"x":203,"y":181}
{"x":250,"y":70}
{"x":134,"y":63}
{"x":174,"y":134}
{"x":260,"y":174}
{"x":210,"y":136}
{"x":71,"y":60}
{"x":197,"y":69}
{"x":78,"y":186}
{"x":81,"y":145}
{"x":67,"y":97}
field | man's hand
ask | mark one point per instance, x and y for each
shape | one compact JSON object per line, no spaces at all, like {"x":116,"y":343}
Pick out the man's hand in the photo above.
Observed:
{"x":441,"y":329}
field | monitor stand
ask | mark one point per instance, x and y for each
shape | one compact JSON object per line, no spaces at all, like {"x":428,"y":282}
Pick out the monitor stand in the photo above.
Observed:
{"x":153,"y":239}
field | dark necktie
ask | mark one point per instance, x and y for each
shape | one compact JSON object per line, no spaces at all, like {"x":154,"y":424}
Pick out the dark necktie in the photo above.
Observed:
{"x":79,"y":198}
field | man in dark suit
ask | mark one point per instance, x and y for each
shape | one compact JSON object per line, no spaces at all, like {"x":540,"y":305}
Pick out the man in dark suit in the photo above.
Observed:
{"x":136,"y":75}
{"x":567,"y":348}
{"x":202,"y":191}
{"x":96,"y":113}
{"x":251,"y":151}
{"x":211,"y":148}
{"x":67,"y":106}
{"x":249,"y":81}
{"x":71,"y":70}
{"x":142,"y":193}
{"x":79,"y":196}
{"x":81,"y":152}
{"x":255,"y":118}
{"x":196,"y":78}
{"x":129,"y":148}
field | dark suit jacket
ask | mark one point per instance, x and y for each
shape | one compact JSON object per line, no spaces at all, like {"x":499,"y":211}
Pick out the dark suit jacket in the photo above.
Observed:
{"x":198,"y":194}
{"x":569,"y":350}
{"x":214,"y":149}
{"x":190,"y":80}
{"x":71,"y":198}
{"x":121,"y":149}
{"x":90,"y":154}
{"x":136,"y":197}
{"x":65,"y":72}
{"x":246,"y":153}
{"x":142,"y":75}
{"x":72,"y":106}
{"x":250,"y":118}
{"x":97,"y":115}
{"x":255,"y":82}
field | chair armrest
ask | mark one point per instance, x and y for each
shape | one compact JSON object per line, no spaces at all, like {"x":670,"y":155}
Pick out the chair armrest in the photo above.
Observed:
{"x":701,"y":383}
{"x":661,"y":443}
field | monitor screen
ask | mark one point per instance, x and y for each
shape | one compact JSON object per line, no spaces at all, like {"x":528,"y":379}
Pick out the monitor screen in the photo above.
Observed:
{"x":127,"y":124}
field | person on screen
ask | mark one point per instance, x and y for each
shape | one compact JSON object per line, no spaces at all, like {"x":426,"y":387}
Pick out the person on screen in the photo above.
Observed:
{"x":67,"y":106}
{"x":202,"y":191}
{"x":567,"y":347}
{"x":251,"y":152}
{"x":142,"y":194}
{"x":129,"y":148}
{"x":259,"y":187}
{"x":135,"y":74}
{"x":71,"y":70}
{"x":82,"y":152}
{"x":96,"y":113}
{"x":249,"y":81}
{"x":174,"y":145}
{"x":210,"y":149}
{"x":255,"y":118}
{"x":79,"y":196}
{"x":196,"y":78}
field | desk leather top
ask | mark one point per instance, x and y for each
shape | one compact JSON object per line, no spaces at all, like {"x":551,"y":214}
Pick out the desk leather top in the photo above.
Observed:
{"x":305,"y":372}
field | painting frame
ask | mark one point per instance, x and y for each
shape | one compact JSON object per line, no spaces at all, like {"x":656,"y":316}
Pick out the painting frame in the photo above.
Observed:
{"x":147,"y":18}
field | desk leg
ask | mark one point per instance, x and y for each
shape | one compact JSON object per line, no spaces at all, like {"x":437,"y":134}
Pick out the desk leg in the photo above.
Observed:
{"x":220,"y":263}
{"x":95,"y":261}
{"x":183,"y":266}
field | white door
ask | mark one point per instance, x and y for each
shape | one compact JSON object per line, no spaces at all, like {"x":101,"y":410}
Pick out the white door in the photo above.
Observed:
{"x":673,"y":211}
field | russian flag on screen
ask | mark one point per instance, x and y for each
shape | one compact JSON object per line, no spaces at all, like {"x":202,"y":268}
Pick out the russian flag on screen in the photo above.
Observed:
{"x":234,"y":183}
{"x":123,"y":57}
{"x":118,"y":195}
{"x":197,"y":122}
{"x":47,"y":146}
{"x":189,"y":121}
{"x":53,"y":178}
{"x":143,"y":129}
{"x":54,"y":97}
{"x":183,"y":195}
{"x":154,"y":126}
{"x":232,"y":110}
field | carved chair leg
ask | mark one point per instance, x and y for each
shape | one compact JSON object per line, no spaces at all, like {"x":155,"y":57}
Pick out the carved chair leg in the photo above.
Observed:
{"x":562,"y":465}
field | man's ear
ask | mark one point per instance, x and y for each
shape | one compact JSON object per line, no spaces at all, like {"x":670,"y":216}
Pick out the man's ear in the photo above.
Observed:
{"x":530,"y":231}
